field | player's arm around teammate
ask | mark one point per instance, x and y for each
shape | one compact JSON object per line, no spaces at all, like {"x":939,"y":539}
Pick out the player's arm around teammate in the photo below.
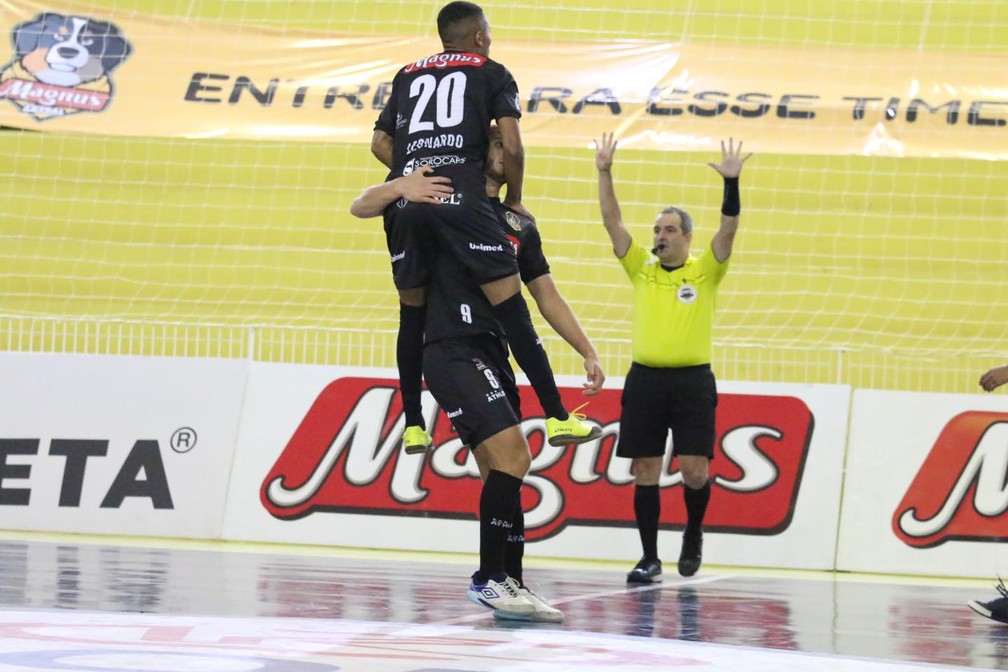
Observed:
{"x":420,"y":186}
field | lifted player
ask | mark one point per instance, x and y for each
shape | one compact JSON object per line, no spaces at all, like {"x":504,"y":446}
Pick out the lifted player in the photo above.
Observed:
{"x":438,"y":115}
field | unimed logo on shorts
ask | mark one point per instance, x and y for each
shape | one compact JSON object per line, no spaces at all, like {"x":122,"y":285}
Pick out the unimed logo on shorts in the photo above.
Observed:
{"x":961,"y":490}
{"x":345,"y":457}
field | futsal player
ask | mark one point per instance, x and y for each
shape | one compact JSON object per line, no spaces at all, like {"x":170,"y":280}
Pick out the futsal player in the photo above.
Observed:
{"x":438,"y":115}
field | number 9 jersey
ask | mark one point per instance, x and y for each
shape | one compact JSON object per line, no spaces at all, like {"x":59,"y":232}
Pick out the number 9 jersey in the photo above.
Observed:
{"x":439,"y":112}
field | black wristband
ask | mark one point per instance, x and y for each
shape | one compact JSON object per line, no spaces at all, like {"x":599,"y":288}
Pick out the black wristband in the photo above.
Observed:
{"x":731,"y":206}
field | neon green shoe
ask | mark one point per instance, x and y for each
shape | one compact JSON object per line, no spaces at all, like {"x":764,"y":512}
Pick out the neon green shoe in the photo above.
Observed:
{"x":416,"y":440}
{"x":572,"y":431}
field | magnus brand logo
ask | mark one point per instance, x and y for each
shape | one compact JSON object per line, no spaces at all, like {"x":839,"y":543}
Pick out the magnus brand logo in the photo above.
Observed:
{"x":961,"y":490}
{"x":345,"y":456}
{"x":441,"y":61}
{"x":62,"y":65}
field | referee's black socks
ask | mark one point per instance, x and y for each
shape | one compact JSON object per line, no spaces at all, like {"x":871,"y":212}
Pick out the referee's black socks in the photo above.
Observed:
{"x":696,"y":505}
{"x":647,"y":511}
{"x":513,"y":315}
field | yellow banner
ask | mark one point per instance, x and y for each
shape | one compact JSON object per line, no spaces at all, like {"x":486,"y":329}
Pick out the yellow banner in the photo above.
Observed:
{"x":127,"y":74}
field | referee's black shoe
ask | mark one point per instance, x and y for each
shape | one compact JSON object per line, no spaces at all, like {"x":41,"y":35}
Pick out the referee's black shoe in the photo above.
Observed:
{"x":996,"y":610}
{"x":648,"y":570}
{"x":692,"y":551}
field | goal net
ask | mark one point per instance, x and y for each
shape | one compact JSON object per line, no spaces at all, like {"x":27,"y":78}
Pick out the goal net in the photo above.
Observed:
{"x":871,"y":249}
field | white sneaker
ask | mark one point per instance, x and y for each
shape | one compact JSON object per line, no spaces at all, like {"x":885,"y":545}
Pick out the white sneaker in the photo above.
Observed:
{"x":543,"y":613}
{"x":502,"y":597}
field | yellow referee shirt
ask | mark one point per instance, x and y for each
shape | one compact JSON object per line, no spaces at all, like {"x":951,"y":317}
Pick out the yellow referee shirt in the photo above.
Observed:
{"x":673,"y":311}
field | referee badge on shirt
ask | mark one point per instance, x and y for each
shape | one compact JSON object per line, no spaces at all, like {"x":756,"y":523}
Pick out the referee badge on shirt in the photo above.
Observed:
{"x":686,"y":293}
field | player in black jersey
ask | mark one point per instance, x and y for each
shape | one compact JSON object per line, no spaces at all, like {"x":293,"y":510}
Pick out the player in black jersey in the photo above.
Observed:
{"x":438,"y":115}
{"x":467,"y":370}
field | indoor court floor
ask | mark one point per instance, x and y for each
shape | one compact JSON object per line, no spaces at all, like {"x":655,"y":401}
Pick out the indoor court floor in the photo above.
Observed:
{"x":86,"y":604}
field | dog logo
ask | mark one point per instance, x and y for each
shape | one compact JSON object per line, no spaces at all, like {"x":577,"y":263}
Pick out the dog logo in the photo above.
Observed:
{"x":62,"y":65}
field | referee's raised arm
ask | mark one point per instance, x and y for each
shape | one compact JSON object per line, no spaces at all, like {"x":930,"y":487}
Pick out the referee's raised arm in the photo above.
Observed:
{"x":731,"y":205}
{"x":611,"y":216}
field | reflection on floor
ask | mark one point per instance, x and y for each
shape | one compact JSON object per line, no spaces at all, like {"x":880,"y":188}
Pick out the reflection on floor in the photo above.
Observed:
{"x":80,"y":604}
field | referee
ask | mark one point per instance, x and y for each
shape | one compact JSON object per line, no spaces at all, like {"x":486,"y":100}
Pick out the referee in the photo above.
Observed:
{"x":670,"y":385}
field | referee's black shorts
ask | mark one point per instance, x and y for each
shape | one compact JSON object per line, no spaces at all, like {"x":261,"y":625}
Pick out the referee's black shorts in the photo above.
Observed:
{"x":657,"y":400}
{"x":466,"y":227}
{"x":472,"y":381}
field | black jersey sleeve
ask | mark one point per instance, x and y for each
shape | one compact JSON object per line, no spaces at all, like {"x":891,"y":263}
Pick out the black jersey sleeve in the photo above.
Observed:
{"x":504,"y":100}
{"x":532,"y":261}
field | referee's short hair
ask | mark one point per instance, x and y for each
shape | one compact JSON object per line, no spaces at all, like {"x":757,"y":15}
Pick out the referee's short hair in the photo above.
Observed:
{"x":453,"y":18}
{"x":686,"y":222}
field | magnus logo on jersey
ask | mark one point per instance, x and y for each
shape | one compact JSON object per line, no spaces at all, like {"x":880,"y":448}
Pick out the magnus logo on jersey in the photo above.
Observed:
{"x":441,"y":61}
{"x":961,"y":490}
{"x":62,"y":65}
{"x":345,"y":456}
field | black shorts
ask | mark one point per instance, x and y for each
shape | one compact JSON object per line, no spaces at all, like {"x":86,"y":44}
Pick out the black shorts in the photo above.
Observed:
{"x":472,"y":381}
{"x":656,"y":400}
{"x":466,"y":228}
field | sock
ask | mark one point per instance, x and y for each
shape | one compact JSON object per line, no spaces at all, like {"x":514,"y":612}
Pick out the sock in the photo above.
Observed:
{"x":696,"y":506}
{"x":647,"y":509}
{"x":513,"y":315}
{"x":409,"y":358}
{"x":515,"y":550}
{"x":497,"y":510}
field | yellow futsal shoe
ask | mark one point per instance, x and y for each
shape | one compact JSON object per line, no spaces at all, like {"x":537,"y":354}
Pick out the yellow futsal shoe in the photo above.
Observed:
{"x":572,"y":431}
{"x":416,"y":440}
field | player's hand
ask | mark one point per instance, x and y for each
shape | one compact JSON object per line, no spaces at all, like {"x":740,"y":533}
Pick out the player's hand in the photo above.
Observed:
{"x":519,"y":208}
{"x":422,"y":187}
{"x":994,"y":378}
{"x":596,"y":377}
{"x":604,"y":151}
{"x":731,"y":159}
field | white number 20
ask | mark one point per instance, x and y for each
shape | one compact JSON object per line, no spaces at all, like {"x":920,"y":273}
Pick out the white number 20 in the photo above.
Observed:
{"x":449,"y":104}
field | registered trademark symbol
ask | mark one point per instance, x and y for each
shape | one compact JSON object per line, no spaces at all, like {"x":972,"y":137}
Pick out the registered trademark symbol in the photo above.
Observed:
{"x":183,"y":439}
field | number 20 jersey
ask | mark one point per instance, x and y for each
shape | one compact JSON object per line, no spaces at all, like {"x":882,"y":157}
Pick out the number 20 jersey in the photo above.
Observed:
{"x":439,"y":113}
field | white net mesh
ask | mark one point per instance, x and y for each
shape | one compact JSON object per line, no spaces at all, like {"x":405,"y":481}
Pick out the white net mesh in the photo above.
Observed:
{"x":876,"y":271}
